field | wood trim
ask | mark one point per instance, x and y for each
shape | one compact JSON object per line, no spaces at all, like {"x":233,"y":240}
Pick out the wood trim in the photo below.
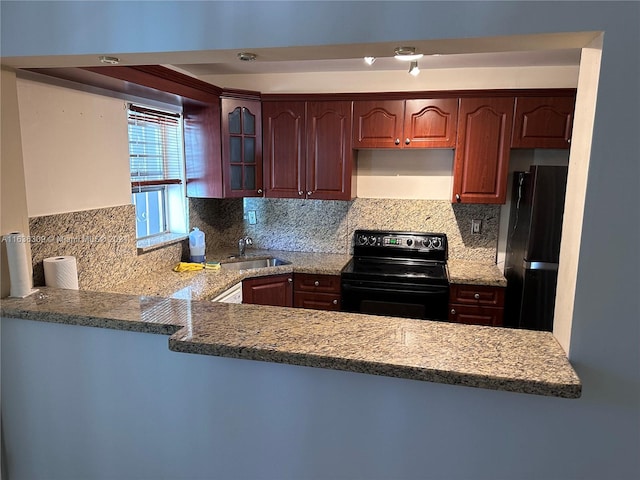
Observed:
{"x":375,"y":96}
{"x":240,"y":94}
{"x":153,"y":183}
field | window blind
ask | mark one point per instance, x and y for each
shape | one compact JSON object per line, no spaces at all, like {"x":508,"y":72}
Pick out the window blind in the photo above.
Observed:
{"x":155,"y":147}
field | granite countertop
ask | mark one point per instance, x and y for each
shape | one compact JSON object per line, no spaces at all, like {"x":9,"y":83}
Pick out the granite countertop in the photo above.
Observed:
{"x":207,"y":284}
{"x":485,"y":357}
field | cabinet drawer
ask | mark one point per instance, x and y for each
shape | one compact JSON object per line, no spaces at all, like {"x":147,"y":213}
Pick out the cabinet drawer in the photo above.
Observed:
{"x":304,"y":282}
{"x":477,"y":295}
{"x":316,"y":301}
{"x":469,"y":315}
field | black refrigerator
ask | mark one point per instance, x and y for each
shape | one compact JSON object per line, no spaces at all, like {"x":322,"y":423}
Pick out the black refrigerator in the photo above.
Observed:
{"x":533,"y":246}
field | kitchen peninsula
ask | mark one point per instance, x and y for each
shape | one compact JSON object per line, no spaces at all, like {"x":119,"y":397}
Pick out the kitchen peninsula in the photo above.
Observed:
{"x":441,"y":352}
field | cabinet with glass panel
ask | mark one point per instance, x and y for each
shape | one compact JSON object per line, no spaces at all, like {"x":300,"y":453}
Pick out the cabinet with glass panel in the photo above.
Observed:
{"x":241,"y":147}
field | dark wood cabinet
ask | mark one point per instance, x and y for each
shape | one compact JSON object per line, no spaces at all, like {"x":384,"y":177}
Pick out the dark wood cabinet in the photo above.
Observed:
{"x":476,"y":304}
{"x":272,"y":290}
{"x":319,"y":292}
{"x":481,"y":161}
{"x":417,"y":123}
{"x":543,"y":122}
{"x":307,"y":150}
{"x":202,"y":149}
{"x":241,"y":147}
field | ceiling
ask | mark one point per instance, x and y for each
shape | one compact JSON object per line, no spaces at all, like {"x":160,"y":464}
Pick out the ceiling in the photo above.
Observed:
{"x":556,"y":49}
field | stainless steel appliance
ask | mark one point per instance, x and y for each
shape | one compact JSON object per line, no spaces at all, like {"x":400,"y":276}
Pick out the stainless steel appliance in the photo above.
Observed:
{"x":402,"y":274}
{"x":533,"y":246}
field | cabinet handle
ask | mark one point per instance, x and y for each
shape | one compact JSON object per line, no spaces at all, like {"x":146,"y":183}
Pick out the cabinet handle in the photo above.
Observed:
{"x":309,"y":193}
{"x":397,"y":142}
{"x":290,"y":280}
{"x":407,"y":141}
{"x":335,"y":302}
{"x":260,"y":191}
{"x":458,"y":197}
{"x":453,"y":311}
{"x":476,"y":296}
{"x":316,"y":283}
{"x":300,"y":192}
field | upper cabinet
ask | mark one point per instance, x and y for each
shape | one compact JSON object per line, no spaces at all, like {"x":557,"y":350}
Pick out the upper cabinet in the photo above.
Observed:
{"x":417,"y":123}
{"x":481,"y":161}
{"x":307,"y":152}
{"x":241,"y":138}
{"x":543,"y":122}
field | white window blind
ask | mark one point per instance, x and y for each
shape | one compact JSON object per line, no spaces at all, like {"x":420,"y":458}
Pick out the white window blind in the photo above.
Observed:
{"x":155,"y":147}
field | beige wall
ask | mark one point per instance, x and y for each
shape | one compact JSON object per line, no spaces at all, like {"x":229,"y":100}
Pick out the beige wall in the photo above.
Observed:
{"x":75,"y":149}
{"x":373,"y":81}
{"x":13,"y":198}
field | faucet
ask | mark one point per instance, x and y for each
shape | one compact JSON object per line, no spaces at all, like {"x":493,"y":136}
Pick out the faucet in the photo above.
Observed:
{"x":242,"y":244}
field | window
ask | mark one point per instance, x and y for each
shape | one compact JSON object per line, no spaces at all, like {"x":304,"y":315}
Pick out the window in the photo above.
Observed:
{"x":156,"y":150}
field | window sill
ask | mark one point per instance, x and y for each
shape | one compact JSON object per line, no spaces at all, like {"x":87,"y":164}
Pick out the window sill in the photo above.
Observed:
{"x":148,"y":244}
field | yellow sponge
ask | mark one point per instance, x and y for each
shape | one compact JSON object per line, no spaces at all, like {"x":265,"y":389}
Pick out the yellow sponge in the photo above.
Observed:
{"x":192,"y":267}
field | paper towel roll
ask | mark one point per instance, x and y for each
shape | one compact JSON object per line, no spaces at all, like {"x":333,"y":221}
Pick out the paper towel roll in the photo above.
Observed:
{"x":61,"y":272}
{"x":19,"y":265}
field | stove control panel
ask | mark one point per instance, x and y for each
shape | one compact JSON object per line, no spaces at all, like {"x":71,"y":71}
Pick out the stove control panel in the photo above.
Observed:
{"x":401,"y":240}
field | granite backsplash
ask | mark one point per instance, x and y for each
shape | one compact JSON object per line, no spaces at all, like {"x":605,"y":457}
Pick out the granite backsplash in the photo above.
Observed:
{"x":104,"y":244}
{"x":328,"y":226}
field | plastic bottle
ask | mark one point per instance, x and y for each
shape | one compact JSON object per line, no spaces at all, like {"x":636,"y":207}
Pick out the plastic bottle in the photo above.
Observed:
{"x":196,"y":246}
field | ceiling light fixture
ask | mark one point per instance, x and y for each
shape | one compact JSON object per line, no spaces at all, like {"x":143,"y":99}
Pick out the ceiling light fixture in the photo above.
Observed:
{"x":109,"y":60}
{"x":247,"y":56}
{"x":369,"y":60}
{"x":413,"y":69}
{"x":407,"y":54}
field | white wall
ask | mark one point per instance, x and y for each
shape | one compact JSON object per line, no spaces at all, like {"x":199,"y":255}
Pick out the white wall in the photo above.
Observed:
{"x":75,"y":148}
{"x":594,"y":437}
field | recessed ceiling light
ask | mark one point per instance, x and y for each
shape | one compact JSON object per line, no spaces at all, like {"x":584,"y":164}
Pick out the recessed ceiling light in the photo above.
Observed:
{"x":247,"y":56}
{"x":407,"y":54}
{"x":109,"y":60}
{"x":369,"y":60}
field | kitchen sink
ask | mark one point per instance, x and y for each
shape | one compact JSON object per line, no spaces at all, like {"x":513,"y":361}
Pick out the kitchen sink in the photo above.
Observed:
{"x":257,"y":263}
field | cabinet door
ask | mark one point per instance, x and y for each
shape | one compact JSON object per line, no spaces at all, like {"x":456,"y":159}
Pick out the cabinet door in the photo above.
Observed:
{"x":430,"y":123}
{"x":316,"y":301}
{"x":241,"y":147}
{"x":202,"y":149}
{"x":543,"y":122}
{"x":482,"y":150}
{"x":284,"y":149}
{"x":272,"y":290}
{"x":377,"y":124}
{"x":329,"y":154}
{"x":490,"y":316}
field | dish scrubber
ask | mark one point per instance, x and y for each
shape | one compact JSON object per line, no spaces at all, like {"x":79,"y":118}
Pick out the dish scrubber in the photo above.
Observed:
{"x":192,"y":267}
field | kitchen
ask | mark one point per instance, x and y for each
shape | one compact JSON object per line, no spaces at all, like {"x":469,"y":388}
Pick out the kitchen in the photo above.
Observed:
{"x":352,"y":403}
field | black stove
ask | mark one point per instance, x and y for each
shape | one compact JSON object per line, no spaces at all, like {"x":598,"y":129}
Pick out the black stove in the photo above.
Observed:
{"x":398,"y":274}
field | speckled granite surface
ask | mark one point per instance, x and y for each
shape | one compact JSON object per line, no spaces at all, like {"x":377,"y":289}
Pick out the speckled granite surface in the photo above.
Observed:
{"x":485,"y":357}
{"x":206,"y":284}
{"x":475,"y":273}
{"x":104,"y":244}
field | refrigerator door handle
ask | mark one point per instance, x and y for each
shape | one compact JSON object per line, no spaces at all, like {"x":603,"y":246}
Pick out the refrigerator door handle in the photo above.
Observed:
{"x":539,"y":266}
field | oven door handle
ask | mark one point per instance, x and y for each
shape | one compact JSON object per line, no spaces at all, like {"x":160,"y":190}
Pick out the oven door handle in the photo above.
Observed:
{"x":395,"y":288}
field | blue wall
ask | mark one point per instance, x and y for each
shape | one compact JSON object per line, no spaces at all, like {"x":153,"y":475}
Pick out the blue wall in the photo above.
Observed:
{"x":494,"y":435}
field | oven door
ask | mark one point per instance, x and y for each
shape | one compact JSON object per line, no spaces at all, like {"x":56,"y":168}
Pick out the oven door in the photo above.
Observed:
{"x":407,"y":300}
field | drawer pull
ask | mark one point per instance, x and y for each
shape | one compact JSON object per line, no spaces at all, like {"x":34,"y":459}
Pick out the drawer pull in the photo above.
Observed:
{"x":335,"y":302}
{"x":476,"y":296}
{"x":453,"y":311}
{"x":316,"y":283}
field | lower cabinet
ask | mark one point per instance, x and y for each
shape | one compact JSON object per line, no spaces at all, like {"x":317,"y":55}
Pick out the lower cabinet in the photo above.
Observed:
{"x":319,"y":292}
{"x":476,"y":304}
{"x":274,"y":290}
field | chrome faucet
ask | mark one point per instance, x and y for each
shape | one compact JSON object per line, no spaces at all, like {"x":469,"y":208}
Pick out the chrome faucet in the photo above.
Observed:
{"x":242,"y":244}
